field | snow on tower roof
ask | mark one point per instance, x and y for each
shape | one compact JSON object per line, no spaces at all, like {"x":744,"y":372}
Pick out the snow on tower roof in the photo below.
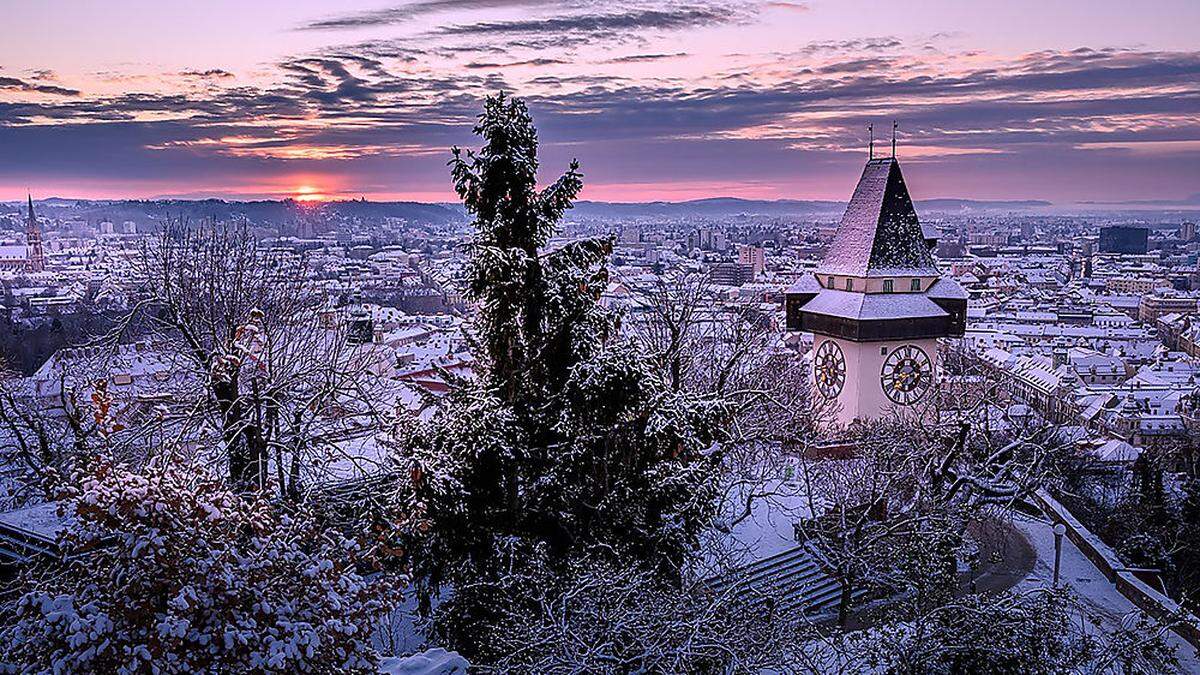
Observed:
{"x":873,"y":306}
{"x":879,"y":234}
{"x":946,"y":288}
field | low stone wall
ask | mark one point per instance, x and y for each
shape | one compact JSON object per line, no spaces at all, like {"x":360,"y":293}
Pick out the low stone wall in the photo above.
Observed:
{"x":1105,"y":559}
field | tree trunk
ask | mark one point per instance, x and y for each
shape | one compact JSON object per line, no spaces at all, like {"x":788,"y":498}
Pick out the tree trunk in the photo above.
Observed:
{"x":226,"y":395}
{"x":844,"y":602}
{"x":244,"y":441}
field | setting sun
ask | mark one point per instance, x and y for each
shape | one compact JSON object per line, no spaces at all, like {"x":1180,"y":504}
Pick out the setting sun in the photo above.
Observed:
{"x":308,"y":193}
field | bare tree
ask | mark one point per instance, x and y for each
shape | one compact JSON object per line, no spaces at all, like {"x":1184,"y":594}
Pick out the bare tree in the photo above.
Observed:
{"x":1042,"y":631}
{"x":895,"y":515}
{"x":273,"y":373}
{"x":732,"y":349}
{"x":606,"y":619}
{"x":42,"y":438}
{"x":703,"y":343}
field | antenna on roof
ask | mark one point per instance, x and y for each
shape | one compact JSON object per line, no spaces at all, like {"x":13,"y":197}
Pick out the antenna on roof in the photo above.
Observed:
{"x":871,"y":143}
{"x":894,"y":127}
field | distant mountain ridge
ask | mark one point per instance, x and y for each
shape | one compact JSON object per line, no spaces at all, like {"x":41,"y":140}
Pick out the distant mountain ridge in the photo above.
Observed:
{"x":712,"y":206}
{"x":288,"y":210}
{"x":258,"y":211}
{"x":1191,"y":200}
{"x":731,"y":206}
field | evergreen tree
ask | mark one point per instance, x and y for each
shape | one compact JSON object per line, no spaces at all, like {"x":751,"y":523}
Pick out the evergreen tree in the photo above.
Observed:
{"x":567,"y":445}
{"x":1187,"y":555}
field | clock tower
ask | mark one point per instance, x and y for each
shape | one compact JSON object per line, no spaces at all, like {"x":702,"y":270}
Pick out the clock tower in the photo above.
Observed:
{"x":876,"y":304}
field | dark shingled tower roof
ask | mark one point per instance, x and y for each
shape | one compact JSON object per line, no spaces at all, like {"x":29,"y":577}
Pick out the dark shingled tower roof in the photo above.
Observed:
{"x":879,"y":235}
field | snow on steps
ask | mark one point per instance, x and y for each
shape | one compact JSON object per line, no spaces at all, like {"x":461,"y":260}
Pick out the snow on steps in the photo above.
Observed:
{"x":792,"y":580}
{"x":29,"y":532}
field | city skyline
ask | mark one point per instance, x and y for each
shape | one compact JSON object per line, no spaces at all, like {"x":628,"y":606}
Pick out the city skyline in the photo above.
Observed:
{"x":672,"y":101}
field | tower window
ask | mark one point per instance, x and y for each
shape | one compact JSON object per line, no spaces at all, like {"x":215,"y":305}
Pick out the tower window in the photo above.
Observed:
{"x":888,"y":286}
{"x":849,"y":284}
{"x":916,"y":284}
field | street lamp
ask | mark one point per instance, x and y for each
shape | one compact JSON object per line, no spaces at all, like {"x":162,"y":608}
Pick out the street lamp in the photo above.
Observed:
{"x":1059,"y":531}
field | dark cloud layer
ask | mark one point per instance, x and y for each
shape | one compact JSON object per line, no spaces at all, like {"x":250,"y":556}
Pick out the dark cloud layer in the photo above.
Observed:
{"x":212,"y":73}
{"x":606,"y":23}
{"x":15,"y":84}
{"x":405,"y":13}
{"x":645,"y":58}
{"x":529,"y":62}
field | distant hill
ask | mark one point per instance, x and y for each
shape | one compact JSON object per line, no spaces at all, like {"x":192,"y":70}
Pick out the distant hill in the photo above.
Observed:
{"x":980,"y":205}
{"x":730,"y":206}
{"x":716,"y":206}
{"x":287,"y":210}
{"x":265,"y":211}
{"x":1192,"y":200}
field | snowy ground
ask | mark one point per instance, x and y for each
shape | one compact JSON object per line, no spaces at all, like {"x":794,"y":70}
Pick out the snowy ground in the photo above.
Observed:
{"x":431,"y":662}
{"x":769,"y":527}
{"x":1097,"y":592}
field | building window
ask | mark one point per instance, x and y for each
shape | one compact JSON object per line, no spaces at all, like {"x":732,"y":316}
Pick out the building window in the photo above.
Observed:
{"x":883,"y":351}
{"x":849,"y":284}
{"x":888,"y":286}
{"x":916,"y":284}
{"x":830,"y":284}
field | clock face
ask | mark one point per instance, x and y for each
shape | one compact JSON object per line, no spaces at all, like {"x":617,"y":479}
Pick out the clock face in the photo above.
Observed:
{"x":829,"y":369}
{"x":907,"y":375}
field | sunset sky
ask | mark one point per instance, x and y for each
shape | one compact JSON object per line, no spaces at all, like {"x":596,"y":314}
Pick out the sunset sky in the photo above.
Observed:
{"x":1065,"y":101}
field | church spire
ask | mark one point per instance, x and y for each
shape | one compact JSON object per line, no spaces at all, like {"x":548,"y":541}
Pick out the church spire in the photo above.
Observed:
{"x":34,"y":254}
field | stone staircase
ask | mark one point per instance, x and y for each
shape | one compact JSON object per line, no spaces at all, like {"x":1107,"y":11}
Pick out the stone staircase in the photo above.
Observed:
{"x":29,"y":533}
{"x":789,"y":581}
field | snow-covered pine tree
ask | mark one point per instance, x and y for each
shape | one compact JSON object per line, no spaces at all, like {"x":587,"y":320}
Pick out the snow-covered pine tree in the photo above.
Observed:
{"x":1187,"y":548}
{"x":567,"y":444}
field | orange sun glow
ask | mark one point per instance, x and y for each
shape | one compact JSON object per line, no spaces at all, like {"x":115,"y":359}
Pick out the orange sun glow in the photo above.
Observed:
{"x":308,"y":193}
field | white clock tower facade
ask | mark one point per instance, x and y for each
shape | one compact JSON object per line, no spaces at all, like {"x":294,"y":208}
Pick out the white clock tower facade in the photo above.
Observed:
{"x":876,"y":305}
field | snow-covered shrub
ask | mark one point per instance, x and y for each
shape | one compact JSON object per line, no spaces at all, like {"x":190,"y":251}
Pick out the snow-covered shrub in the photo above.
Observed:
{"x":603,"y":618}
{"x":1144,"y":549}
{"x":1043,"y":631}
{"x":170,"y":571}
